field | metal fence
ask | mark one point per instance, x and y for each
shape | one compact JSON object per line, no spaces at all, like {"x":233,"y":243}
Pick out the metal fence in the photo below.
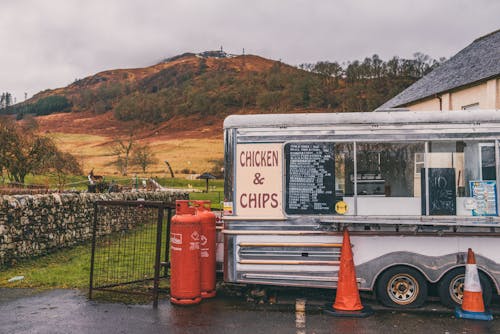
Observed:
{"x":130,"y":248}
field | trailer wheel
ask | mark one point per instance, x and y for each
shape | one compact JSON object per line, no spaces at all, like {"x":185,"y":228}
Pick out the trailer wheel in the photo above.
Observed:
{"x":451,"y":288}
{"x":402,"y":287}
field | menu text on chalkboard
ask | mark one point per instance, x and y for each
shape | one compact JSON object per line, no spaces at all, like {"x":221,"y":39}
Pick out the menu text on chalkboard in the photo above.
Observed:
{"x":310,"y":178}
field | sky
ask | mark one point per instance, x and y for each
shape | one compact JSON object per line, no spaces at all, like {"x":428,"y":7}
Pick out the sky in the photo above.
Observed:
{"x":46,"y":44}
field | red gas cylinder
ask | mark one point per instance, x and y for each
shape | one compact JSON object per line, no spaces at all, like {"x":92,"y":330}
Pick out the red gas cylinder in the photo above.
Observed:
{"x":207,"y":248}
{"x":185,"y":255}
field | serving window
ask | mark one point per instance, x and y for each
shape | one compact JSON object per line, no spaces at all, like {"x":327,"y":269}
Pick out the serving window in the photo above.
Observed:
{"x":402,"y":178}
{"x":384,"y":180}
{"x":462,"y":179}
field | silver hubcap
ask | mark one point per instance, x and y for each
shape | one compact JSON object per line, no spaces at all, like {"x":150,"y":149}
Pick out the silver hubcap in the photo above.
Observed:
{"x":456,"y":289}
{"x":403,"y":289}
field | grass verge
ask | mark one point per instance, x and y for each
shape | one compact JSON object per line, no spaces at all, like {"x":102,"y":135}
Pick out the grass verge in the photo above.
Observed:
{"x":65,"y":268}
{"x":70,"y":267}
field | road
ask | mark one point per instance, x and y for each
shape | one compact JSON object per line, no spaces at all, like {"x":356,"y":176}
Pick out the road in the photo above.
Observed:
{"x":69,"y":311}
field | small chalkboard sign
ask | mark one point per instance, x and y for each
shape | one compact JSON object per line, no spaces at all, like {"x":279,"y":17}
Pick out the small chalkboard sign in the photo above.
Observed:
{"x":310,"y":178}
{"x":442,"y":192}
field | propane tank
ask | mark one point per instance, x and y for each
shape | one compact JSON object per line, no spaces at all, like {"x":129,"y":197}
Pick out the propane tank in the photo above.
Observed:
{"x":207,"y":248}
{"x":185,"y":255}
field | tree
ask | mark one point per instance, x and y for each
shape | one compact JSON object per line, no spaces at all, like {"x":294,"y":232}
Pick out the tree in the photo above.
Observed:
{"x":7,"y":136}
{"x":64,"y":163}
{"x":143,"y":156}
{"x":5,"y":100}
{"x":29,"y":154}
{"x":329,"y":70}
{"x":122,"y":148}
{"x":24,"y":152}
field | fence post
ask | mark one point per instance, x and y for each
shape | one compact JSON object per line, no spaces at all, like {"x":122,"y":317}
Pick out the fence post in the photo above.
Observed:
{"x":159,"y":233}
{"x":94,"y":227}
{"x":167,"y":243}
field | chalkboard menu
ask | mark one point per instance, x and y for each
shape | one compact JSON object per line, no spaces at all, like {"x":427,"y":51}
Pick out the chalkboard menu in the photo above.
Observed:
{"x":310,"y":178}
{"x":442,"y":192}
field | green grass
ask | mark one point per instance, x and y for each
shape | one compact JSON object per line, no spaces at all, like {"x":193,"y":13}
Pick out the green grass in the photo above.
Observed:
{"x":66,"y":268}
{"x":215,"y":189}
{"x":79,"y":182}
{"x":70,"y":268}
{"x":213,"y":185}
{"x":214,"y":197}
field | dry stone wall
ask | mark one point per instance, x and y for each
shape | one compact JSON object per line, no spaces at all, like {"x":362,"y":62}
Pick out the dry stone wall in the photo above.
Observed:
{"x":32,"y":225}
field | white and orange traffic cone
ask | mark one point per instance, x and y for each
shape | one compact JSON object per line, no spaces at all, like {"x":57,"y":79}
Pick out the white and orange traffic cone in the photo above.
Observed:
{"x":472,"y":302}
{"x":347,"y":300}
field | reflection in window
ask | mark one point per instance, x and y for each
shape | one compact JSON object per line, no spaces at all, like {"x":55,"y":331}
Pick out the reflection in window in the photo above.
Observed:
{"x":464,"y":163}
{"x":386,"y":169}
{"x":488,"y":162}
{"x":389,"y":178}
{"x":344,"y":162}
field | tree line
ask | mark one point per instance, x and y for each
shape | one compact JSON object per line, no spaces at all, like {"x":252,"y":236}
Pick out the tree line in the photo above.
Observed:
{"x":44,"y":106}
{"x":24,"y":152}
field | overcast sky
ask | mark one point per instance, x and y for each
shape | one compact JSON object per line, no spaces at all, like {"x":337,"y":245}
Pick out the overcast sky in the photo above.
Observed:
{"x":50,"y":43}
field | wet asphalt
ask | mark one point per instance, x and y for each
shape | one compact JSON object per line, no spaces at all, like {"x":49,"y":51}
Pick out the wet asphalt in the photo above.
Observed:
{"x":69,"y":311}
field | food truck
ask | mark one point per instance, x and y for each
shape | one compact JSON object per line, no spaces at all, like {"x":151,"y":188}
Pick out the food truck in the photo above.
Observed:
{"x":414,"y":189}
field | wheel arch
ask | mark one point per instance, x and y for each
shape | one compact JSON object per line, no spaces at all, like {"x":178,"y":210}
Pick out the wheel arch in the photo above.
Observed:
{"x":490,"y":277}
{"x":392,"y":265}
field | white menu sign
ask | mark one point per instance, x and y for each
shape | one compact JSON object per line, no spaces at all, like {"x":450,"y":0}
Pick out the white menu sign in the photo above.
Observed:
{"x":259,"y":181}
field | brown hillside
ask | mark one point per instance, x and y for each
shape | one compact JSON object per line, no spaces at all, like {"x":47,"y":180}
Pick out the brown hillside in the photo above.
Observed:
{"x":106,"y":125}
{"x":134,"y":75}
{"x":86,"y":121}
{"x":175,"y":103}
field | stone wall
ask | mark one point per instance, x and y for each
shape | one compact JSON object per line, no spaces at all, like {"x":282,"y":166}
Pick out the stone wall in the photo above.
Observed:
{"x":32,"y":225}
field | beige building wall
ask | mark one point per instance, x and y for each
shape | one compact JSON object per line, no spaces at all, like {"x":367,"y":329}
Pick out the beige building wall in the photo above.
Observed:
{"x":430,"y":104}
{"x":482,"y":96}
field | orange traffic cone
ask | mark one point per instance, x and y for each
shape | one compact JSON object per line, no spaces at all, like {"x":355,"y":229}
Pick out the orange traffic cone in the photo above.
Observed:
{"x":347,"y":300}
{"x":472,"y":303}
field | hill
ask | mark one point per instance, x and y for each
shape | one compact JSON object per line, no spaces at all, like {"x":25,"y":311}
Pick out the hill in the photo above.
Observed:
{"x":185,"y":98}
{"x":214,"y":84}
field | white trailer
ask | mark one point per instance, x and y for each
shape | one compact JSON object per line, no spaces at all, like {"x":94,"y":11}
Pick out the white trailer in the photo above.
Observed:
{"x":415,"y":189}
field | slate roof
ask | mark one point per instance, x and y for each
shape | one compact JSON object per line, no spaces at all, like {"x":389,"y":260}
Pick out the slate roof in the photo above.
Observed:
{"x":477,"y":62}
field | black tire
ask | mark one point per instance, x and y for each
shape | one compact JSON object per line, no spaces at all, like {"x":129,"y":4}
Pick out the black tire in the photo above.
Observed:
{"x":450,"y":288}
{"x":402,"y":287}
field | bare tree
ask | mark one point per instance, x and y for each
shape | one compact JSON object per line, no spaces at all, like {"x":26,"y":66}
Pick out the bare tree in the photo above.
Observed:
{"x":143,"y":156}
{"x":122,"y":149}
{"x":63,"y":164}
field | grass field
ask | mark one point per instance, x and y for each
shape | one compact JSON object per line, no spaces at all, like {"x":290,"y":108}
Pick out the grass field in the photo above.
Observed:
{"x":193,"y":155}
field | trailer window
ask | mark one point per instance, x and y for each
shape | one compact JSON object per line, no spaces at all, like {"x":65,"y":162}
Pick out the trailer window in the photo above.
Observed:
{"x":461,"y":179}
{"x":385,"y":178}
{"x":344,"y":165}
{"x":386,"y":169}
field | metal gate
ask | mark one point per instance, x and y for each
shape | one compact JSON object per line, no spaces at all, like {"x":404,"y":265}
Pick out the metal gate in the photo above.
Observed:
{"x":129,"y":240}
